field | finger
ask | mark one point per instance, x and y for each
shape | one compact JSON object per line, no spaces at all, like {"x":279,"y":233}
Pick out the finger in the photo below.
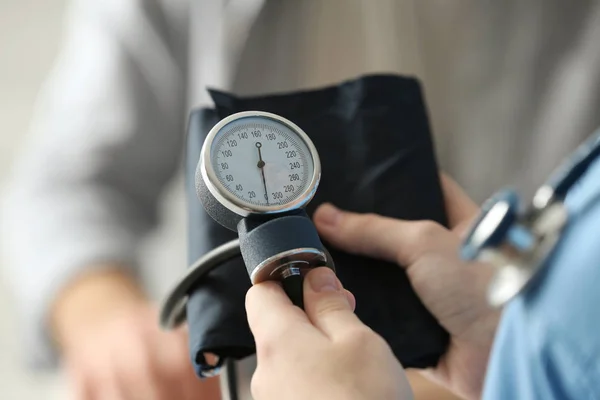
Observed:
{"x":270,"y":311}
{"x":108,"y":388}
{"x":380,"y":237}
{"x":459,"y":206}
{"x":143,"y":387}
{"x":326,"y":303}
{"x":104,"y":379}
{"x":172,"y":366}
{"x":179,"y":374}
{"x":134,"y":371}
{"x":81,"y":388}
{"x":351,"y":299}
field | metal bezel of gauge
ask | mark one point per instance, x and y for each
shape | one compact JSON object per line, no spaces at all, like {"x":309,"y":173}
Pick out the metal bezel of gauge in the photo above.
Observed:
{"x":224,"y":206}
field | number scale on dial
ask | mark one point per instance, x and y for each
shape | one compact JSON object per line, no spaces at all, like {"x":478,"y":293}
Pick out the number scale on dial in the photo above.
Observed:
{"x":261,"y":162}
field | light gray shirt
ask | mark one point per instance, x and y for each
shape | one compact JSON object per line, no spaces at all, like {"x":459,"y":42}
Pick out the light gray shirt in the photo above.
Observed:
{"x":511,"y":86}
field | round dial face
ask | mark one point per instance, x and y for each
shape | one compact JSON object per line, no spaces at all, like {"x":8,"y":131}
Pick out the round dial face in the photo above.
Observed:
{"x":262,"y":161}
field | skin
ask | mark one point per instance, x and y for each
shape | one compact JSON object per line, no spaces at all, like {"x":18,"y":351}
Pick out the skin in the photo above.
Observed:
{"x":106,"y":329}
{"x":107,"y":332}
{"x":113,"y":348}
{"x":452,"y":290}
{"x":325,"y":352}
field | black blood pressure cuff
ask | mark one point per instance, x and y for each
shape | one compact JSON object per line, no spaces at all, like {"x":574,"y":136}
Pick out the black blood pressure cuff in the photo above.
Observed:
{"x":374,"y":141}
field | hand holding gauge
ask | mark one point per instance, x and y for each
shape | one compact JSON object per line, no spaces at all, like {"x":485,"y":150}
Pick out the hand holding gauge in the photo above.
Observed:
{"x":244,"y":155}
{"x":250,"y":153}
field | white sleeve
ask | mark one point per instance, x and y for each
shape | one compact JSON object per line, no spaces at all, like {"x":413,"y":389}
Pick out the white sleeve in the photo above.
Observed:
{"x":106,"y":138}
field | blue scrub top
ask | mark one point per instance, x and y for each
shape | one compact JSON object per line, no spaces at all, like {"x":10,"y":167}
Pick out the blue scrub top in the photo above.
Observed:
{"x":548,"y":342}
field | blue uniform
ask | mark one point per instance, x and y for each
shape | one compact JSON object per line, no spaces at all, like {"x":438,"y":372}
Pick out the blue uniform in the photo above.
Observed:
{"x":548,"y":343}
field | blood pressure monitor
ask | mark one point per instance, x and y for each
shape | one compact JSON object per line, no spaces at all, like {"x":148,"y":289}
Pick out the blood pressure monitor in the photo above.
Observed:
{"x":257,"y":171}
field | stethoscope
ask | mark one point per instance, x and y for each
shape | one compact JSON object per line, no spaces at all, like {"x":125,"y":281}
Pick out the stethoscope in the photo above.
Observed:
{"x":517,"y":243}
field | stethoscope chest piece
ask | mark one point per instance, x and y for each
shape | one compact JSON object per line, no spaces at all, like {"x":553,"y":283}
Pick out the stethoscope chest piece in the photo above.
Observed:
{"x":513,"y":242}
{"x":516,"y":243}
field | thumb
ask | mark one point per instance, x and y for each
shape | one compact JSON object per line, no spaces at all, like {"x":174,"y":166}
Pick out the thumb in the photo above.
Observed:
{"x":328,"y":306}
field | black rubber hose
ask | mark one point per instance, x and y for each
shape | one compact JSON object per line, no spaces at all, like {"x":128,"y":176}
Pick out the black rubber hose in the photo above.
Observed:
{"x":292,"y":285}
{"x":231,"y":379}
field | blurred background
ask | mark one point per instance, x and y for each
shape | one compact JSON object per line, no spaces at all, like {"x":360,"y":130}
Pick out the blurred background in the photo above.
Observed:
{"x":30,"y":34}
{"x":29,"y":39}
{"x":511,"y":87}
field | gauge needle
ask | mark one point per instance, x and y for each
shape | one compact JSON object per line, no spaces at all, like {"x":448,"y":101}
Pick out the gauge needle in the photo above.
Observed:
{"x":261,"y":165}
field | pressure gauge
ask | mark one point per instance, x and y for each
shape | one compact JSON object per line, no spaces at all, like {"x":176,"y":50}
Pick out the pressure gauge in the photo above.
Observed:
{"x":256,"y":173}
{"x":256,"y":163}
